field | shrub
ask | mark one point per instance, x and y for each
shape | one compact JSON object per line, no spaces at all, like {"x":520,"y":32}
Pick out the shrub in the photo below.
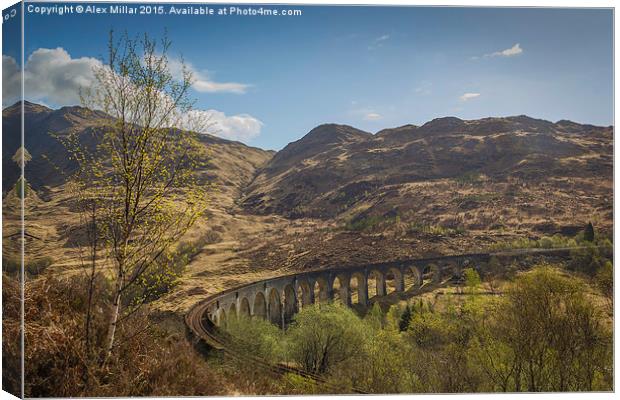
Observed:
{"x":588,"y":233}
{"x":368,"y":222}
{"x":555,"y":333}
{"x":472,"y":278}
{"x":33,"y":267}
{"x":591,"y":257}
{"x":471,"y":178}
{"x":257,"y":337}
{"x":405,"y":319}
{"x":417,"y":227}
{"x":323,"y":337}
{"x":546,"y":242}
{"x":59,"y":363}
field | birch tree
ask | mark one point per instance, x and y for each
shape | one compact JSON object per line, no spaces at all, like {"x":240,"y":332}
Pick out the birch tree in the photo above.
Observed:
{"x":138,"y":183}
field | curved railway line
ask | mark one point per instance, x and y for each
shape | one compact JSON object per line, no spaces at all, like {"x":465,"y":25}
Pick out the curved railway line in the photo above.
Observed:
{"x":202,"y":322}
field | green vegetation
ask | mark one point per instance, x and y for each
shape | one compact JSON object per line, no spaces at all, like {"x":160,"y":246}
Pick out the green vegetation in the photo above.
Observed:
{"x":546,"y":242}
{"x":589,"y":256}
{"x":592,"y":256}
{"x":472,"y":178}
{"x":545,"y":334}
{"x":479,"y":197}
{"x":325,"y":338}
{"x":595,"y":245}
{"x":34,"y":267}
{"x":405,"y":319}
{"x":256,"y":337}
{"x":604,"y":280}
{"x":370,"y":222}
{"x":149,"y":361}
{"x":472,"y":279}
{"x":168,"y":268}
{"x":375,"y":222}
{"x":416,"y":227}
{"x":588,"y":233}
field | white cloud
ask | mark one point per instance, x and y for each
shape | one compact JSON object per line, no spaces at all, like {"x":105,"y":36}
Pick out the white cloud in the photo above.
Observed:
{"x":513,"y":51}
{"x":243,"y":127}
{"x":49,"y":74}
{"x":53,"y":76}
{"x":372,"y":116}
{"x":201,"y":80}
{"x":364,"y":113}
{"x":11,"y":82}
{"x":469,"y":96}
{"x":378,"y":42}
{"x":424,"y":88}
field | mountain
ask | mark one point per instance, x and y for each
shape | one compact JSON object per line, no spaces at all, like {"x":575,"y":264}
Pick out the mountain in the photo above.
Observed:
{"x":338,"y":196}
{"x":493,"y":173}
{"x":231,"y":165}
{"x":339,"y":171}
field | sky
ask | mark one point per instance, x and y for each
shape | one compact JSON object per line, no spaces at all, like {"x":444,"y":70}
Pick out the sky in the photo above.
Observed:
{"x":268,"y":80}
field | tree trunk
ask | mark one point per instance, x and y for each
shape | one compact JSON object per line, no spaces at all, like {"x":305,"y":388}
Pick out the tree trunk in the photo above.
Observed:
{"x":91,"y":281}
{"x":113,"y":321}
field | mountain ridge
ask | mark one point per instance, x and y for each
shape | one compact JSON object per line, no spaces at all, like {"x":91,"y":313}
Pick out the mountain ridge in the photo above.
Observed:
{"x":232,"y":163}
{"x":335,"y":169}
{"x":310,"y":176}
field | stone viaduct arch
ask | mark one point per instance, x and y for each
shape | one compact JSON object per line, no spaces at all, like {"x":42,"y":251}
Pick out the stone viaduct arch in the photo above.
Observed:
{"x":322,"y":289}
{"x":244,"y":308}
{"x":290,"y":302}
{"x":341,"y":288}
{"x":260,"y":306}
{"x":274,"y":307}
{"x":378,"y":281}
{"x":279,"y":299}
{"x":359,"y":284}
{"x":305,"y":294}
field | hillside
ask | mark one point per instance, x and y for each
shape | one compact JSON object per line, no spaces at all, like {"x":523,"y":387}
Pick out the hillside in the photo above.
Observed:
{"x":338,"y":171}
{"x":231,"y":165}
{"x":342,"y":196}
{"x":51,"y":218}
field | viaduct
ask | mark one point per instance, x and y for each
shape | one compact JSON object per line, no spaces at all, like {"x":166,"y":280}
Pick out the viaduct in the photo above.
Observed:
{"x":278,"y":299}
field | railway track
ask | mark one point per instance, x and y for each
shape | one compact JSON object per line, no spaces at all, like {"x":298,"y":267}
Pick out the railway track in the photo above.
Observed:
{"x":205,"y":330}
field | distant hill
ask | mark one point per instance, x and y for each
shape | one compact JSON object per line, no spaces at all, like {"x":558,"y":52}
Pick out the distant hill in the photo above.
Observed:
{"x":231,"y":164}
{"x":450,"y":172}
{"x":333,"y":168}
{"x":339,"y":195}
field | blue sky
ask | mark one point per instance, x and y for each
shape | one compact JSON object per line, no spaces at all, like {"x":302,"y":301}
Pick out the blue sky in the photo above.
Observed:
{"x":370,"y":67}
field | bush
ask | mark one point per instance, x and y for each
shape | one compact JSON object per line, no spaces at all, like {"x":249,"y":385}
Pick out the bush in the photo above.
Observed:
{"x":472,"y":278}
{"x":592,"y":256}
{"x":257,"y":337}
{"x":604,"y":280}
{"x":472,"y":178}
{"x":323,"y":337}
{"x":146,"y":362}
{"x":556,"y":335}
{"x":33,"y":267}
{"x":546,"y":242}
{"x":416,"y":227}
{"x":368,"y":222}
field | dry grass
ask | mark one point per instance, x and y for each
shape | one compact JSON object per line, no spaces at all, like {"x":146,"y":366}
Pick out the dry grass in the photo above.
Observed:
{"x":146,"y":362}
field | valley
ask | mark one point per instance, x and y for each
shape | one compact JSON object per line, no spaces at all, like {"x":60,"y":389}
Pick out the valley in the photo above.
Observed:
{"x":340,"y":196}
